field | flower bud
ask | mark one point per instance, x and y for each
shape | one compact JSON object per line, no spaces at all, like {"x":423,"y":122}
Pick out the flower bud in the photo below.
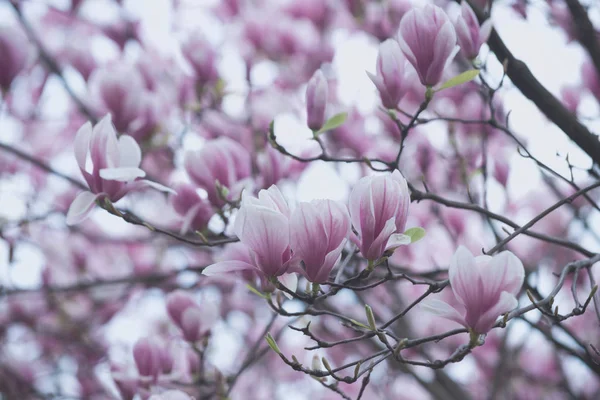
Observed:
{"x":177,"y":302}
{"x":316,"y":100}
{"x":390,"y":80}
{"x":13,"y":55}
{"x":470,"y":35}
{"x":191,"y":324}
{"x":428,"y":40}
{"x":379,"y":209}
{"x":147,"y":356}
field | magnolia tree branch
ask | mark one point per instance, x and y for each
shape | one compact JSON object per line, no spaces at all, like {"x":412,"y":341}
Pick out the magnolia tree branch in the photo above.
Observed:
{"x":553,"y":109}
{"x":51,"y":63}
{"x":586,"y":33}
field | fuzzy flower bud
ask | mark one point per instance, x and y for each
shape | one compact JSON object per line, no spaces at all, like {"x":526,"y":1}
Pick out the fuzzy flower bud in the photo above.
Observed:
{"x":390,"y":80}
{"x":428,"y":40}
{"x":316,"y":100}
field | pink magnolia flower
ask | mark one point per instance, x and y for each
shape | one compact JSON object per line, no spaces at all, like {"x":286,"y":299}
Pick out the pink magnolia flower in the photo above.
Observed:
{"x":147,"y":356}
{"x":319,"y":231}
{"x":485,"y":288}
{"x":262,"y":225}
{"x":202,"y":57}
{"x":390,"y":80}
{"x":470,"y":35}
{"x":428,"y":40}
{"x":379,"y":209}
{"x":13,"y":54}
{"x":118,"y":89}
{"x":221,"y":160}
{"x":110,"y":166}
{"x":316,"y":100}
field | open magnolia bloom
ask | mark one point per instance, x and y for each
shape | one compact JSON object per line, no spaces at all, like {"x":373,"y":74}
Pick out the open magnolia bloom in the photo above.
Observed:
{"x":485,"y":288}
{"x":110,"y":166}
{"x":262,"y":225}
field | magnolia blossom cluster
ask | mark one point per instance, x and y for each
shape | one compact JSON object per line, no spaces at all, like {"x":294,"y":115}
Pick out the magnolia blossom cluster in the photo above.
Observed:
{"x":311,"y":238}
{"x":201,"y":276}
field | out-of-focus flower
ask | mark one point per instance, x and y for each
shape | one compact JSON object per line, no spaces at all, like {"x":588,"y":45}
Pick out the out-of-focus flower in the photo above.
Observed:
{"x":13,"y":54}
{"x":118,"y":89}
{"x":316,"y":100}
{"x":590,"y":79}
{"x":147,"y":356}
{"x":428,"y":40}
{"x":379,"y":209}
{"x":202,"y":57}
{"x":319,"y":230}
{"x":470,"y":35}
{"x":221,"y":160}
{"x":484,"y":286}
{"x":390,"y":79}
{"x":110,"y":166}
{"x":194,"y":322}
{"x":196,"y":211}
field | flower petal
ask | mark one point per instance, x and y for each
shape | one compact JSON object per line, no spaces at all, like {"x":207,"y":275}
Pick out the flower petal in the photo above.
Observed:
{"x":130,"y":154}
{"x":397,"y":240}
{"x":225,"y":267}
{"x":124,"y":174}
{"x":463,"y":276}
{"x":442,"y":309}
{"x":290,"y":281}
{"x":157,"y":186}
{"x":506,"y":303}
{"x":82,"y":144}
{"x":81,"y":207}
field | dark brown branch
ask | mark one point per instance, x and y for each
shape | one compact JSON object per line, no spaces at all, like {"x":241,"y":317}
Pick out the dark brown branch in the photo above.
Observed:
{"x":586,"y":34}
{"x":547,"y":103}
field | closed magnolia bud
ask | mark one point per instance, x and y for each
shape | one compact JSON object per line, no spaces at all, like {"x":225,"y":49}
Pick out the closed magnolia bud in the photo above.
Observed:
{"x":192,"y":324}
{"x":147,"y":356}
{"x":390,"y":81}
{"x":379,"y":209}
{"x":428,"y":40}
{"x":177,"y":302}
{"x":316,"y":100}
{"x":13,"y":55}
{"x":470,"y":35}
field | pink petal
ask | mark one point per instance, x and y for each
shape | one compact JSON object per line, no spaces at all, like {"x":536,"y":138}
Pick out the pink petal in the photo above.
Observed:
{"x":155,"y":185}
{"x":463,"y":276}
{"x":442,"y":309}
{"x":225,"y":267}
{"x":82,"y":144}
{"x":125,"y":174}
{"x":506,"y":303}
{"x":130,"y":154}
{"x":81,"y":207}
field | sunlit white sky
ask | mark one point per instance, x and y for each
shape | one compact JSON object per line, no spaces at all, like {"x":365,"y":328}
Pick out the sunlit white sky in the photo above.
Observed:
{"x":554,"y":62}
